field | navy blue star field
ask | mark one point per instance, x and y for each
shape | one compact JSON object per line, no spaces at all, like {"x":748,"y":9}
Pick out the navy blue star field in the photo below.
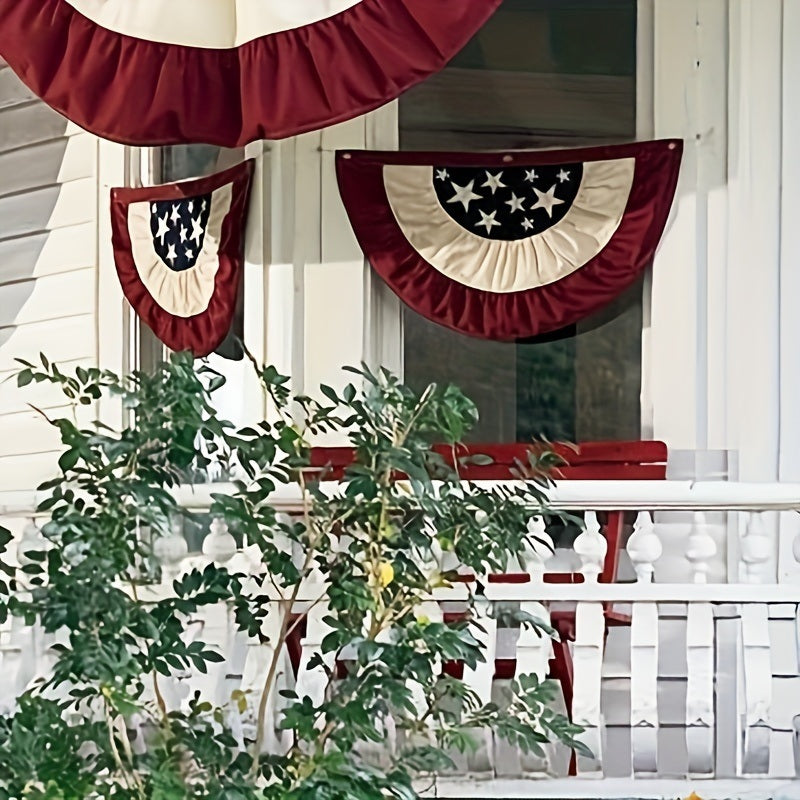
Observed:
{"x":179,"y":230}
{"x":508,"y":203}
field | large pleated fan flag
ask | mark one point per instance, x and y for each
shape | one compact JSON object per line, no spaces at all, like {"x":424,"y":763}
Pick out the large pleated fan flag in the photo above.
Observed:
{"x":227,"y":72}
{"x":511,"y":245}
{"x":179,"y":250}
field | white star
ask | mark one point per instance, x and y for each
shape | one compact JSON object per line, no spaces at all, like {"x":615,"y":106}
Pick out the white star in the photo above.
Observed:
{"x":442,"y":174}
{"x":464,"y":194}
{"x":189,"y":254}
{"x":527,"y":224}
{"x":563,"y":176}
{"x":493,"y":181}
{"x":197,"y":230}
{"x":203,"y":206}
{"x":530,"y":175}
{"x":184,"y":231}
{"x":163,"y":228}
{"x":547,"y":200}
{"x":488,"y":221}
{"x":154,"y":208}
{"x":191,"y":206}
{"x":171,"y":255}
{"x":176,"y":215}
{"x":515,"y":203}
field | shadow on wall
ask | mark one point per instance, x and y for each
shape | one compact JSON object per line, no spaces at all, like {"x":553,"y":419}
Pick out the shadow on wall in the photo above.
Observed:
{"x":33,"y":165}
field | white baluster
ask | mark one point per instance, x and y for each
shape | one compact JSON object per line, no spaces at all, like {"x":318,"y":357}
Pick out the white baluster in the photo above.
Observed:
{"x":701,"y":548}
{"x":591,"y":547}
{"x":539,"y":547}
{"x":257,"y":664}
{"x":431,"y":564}
{"x":534,"y":650}
{"x":700,"y":688}
{"x":219,"y":545}
{"x":21,"y":657}
{"x":757,"y":688}
{"x":188,"y":681}
{"x":32,"y":541}
{"x":796,"y":548}
{"x":756,"y":548}
{"x":644,"y":547}
{"x":429,"y":611}
{"x":312,"y":682}
{"x":236,"y":651}
{"x":170,"y":551}
{"x":644,"y":685}
{"x":480,"y":679}
{"x":217,"y":621}
{"x":590,"y":632}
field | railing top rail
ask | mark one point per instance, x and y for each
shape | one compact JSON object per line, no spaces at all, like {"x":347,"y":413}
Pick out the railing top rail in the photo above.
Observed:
{"x":622,"y":593}
{"x":595,"y":495}
{"x":565,"y":495}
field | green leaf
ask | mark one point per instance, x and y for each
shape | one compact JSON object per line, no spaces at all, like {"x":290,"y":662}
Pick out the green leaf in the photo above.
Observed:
{"x":24,"y":377}
{"x":330,"y":393}
{"x":69,"y":458}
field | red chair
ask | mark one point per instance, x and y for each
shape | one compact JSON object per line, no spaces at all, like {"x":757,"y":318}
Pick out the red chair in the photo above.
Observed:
{"x":634,"y":460}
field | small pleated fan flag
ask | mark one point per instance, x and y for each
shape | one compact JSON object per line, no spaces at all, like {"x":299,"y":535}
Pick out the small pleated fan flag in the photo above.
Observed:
{"x":179,"y":251}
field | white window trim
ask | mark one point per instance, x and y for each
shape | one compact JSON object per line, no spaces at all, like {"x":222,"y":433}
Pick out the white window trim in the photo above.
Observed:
{"x":383,"y":310}
{"x":645,"y":129}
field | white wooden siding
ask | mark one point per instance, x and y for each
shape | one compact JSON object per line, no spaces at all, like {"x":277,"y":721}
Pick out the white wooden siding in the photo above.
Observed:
{"x":48,"y":269}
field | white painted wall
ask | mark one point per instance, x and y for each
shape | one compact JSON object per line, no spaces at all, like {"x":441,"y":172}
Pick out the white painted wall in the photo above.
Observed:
{"x":325,"y":308}
{"x":48,"y":268}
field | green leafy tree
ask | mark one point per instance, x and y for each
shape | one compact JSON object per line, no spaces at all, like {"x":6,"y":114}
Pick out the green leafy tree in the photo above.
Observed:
{"x":370,"y":552}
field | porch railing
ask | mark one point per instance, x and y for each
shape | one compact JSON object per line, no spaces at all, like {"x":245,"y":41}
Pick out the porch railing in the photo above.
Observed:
{"x":671,"y":679}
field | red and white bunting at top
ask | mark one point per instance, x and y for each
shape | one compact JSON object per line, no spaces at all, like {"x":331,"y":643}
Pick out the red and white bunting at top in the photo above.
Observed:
{"x":227,"y":72}
{"x":179,"y":251}
{"x":509,"y":246}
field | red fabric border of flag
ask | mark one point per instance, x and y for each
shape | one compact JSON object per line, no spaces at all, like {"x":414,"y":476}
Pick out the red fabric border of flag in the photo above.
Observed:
{"x":141,"y":92}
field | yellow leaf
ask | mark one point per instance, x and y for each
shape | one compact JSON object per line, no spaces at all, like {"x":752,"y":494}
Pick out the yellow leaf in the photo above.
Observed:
{"x":240,"y":698}
{"x":386,"y":573}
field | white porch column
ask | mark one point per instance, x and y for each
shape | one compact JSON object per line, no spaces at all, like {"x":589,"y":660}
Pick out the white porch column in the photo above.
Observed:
{"x":685,"y":354}
{"x":721,"y":363}
{"x":789,"y":418}
{"x":754,"y":263}
{"x":689,"y":101}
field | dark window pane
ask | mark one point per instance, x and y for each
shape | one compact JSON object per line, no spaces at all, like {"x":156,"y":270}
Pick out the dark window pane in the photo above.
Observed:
{"x":182,"y":161}
{"x":538,"y":74}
